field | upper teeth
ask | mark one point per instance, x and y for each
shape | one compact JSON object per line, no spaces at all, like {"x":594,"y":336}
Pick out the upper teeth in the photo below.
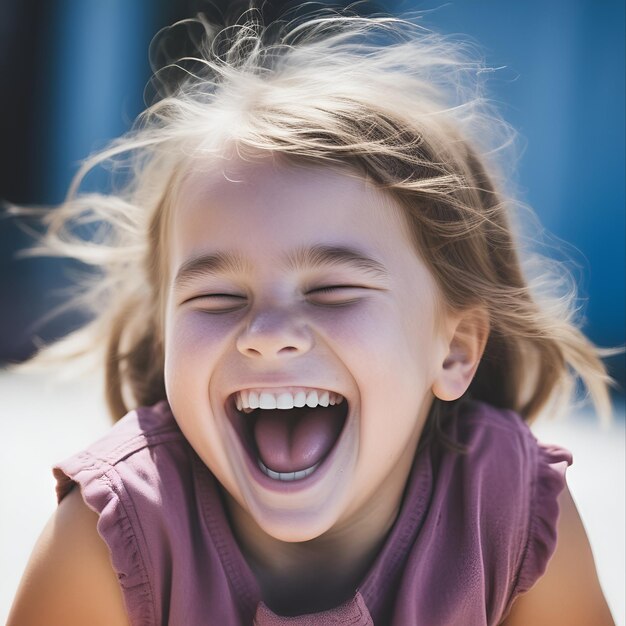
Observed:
{"x":251,"y":399}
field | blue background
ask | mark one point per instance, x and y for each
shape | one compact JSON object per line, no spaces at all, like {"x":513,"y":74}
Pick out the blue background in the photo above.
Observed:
{"x":562,"y":88}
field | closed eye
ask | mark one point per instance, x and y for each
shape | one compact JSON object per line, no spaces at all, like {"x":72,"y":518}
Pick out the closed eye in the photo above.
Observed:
{"x":336,"y":295}
{"x":218,"y":302}
{"x":333,"y":288}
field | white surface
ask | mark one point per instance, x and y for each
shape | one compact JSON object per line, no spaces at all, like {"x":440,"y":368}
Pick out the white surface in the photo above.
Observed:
{"x":45,"y":423}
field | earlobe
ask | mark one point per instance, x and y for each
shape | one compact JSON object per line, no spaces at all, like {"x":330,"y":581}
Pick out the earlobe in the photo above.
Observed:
{"x":464,"y":351}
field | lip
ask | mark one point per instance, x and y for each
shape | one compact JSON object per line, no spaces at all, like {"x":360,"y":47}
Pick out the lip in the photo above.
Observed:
{"x":334,"y":459}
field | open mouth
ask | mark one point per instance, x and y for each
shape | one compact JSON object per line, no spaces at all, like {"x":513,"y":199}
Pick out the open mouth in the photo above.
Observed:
{"x":288,"y":433}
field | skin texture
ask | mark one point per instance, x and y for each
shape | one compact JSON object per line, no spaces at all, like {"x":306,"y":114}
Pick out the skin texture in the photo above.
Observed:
{"x":381,"y":340}
{"x":69,"y":580}
{"x":569,"y":592}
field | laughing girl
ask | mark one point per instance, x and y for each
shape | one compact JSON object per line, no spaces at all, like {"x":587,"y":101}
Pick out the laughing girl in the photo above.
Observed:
{"x":322,"y":354}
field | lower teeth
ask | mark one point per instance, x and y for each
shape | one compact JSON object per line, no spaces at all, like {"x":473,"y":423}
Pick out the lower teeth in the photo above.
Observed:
{"x":287,"y":476}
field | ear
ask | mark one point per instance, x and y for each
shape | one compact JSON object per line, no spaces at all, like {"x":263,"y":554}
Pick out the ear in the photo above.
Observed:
{"x":467,"y":336}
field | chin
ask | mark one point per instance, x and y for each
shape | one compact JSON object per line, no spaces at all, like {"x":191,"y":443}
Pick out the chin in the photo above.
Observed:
{"x":295,"y":526}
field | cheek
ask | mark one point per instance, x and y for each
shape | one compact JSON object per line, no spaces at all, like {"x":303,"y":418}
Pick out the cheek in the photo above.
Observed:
{"x":192,"y":349}
{"x":395,"y":358}
{"x":382,"y":338}
{"x":193,"y":342}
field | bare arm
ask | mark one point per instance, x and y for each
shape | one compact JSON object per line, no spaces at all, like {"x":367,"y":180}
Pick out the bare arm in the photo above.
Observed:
{"x":69,"y":579}
{"x":569,"y":592}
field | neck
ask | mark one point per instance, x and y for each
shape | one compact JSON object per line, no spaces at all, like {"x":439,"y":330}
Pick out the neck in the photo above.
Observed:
{"x":310,"y":576}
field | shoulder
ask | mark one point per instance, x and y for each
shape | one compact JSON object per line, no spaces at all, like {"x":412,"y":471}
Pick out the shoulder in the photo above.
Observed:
{"x":500,"y":437}
{"x":510,"y":485}
{"x":141,"y":441}
{"x":501,"y":453}
{"x":555,"y":579}
{"x":69,"y":579}
{"x":569,"y":592}
{"x":138,"y":483}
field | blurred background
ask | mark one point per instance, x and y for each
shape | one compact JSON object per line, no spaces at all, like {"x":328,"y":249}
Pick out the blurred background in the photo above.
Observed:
{"x":73,"y":74}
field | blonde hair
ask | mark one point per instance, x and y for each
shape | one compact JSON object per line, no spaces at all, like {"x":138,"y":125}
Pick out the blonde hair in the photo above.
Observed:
{"x":395,"y":102}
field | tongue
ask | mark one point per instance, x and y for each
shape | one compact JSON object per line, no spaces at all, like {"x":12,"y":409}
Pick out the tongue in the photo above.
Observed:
{"x":296,"y":439}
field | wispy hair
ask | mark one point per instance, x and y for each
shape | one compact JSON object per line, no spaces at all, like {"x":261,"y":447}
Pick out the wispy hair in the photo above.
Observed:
{"x":385,"y":97}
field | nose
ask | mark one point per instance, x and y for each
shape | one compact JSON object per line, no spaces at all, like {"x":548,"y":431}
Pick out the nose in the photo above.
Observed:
{"x":274,"y":333}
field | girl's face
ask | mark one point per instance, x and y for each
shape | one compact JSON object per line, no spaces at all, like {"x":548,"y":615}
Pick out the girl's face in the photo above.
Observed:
{"x":287,"y":280}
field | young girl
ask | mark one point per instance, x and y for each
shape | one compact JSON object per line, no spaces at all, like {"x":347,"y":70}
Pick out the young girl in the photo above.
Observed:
{"x":310,"y":288}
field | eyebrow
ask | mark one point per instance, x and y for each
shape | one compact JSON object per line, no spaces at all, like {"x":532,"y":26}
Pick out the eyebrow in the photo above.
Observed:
{"x":301,"y":258}
{"x":209,"y":264}
{"x":322,"y":255}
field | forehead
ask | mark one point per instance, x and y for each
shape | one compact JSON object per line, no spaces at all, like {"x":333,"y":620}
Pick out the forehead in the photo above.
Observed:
{"x":267,"y":209}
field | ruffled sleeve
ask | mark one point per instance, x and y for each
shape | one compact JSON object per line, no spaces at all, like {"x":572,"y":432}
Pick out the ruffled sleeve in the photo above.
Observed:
{"x":548,"y":482}
{"x":99,"y":491}
{"x":106,"y":487}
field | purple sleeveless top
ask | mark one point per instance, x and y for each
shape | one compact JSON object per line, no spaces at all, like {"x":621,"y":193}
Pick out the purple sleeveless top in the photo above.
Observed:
{"x":474,"y":531}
